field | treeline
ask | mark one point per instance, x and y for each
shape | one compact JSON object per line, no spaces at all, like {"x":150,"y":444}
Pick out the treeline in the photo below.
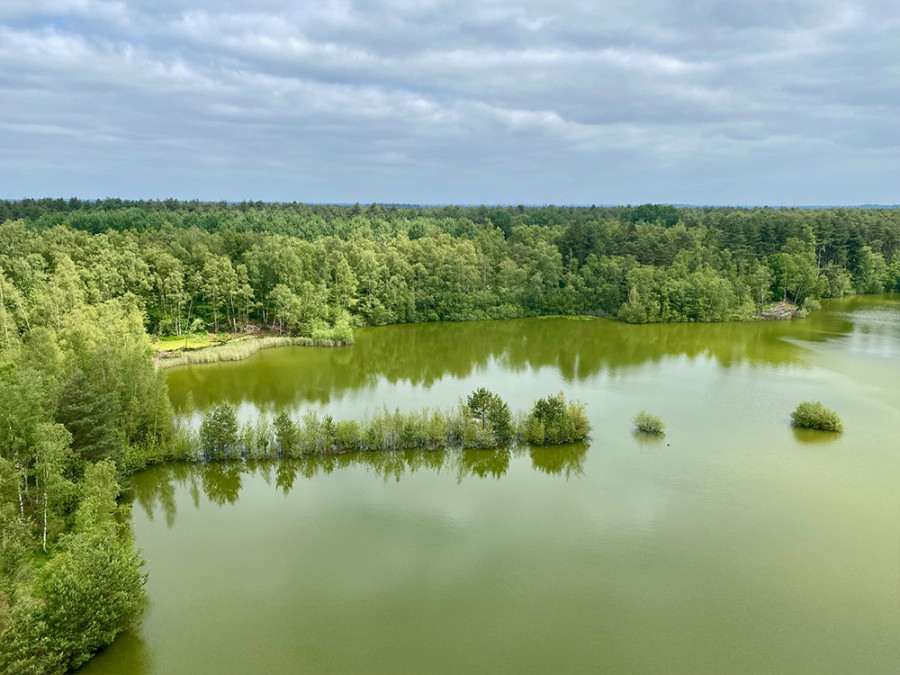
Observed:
{"x":317,"y":271}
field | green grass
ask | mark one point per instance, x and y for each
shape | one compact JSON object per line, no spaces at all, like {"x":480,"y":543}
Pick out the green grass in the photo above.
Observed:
{"x":238,"y":350}
{"x":649,"y":424}
{"x":177,"y":343}
{"x":814,"y":415}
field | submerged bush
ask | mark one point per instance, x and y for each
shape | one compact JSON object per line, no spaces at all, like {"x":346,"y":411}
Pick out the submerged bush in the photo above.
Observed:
{"x":553,"y":421}
{"x":814,"y":415}
{"x":219,"y":432}
{"x":649,"y":424}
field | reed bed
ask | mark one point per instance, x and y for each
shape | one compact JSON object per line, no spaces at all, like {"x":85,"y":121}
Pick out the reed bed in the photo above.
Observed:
{"x":242,"y":349}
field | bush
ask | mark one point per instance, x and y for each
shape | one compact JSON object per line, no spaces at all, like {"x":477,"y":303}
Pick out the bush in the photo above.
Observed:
{"x":814,"y":415}
{"x":554,"y":421}
{"x":348,"y":436}
{"x":649,"y":424}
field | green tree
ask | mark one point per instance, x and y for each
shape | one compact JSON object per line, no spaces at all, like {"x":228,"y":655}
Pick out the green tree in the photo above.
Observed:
{"x":219,"y":432}
{"x":86,"y":594}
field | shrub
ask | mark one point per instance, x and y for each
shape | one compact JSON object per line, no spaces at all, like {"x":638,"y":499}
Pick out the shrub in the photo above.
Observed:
{"x":436,"y":429}
{"x":814,"y":415}
{"x":553,"y":421}
{"x":348,"y":436}
{"x":812,"y":305}
{"x":649,"y":424}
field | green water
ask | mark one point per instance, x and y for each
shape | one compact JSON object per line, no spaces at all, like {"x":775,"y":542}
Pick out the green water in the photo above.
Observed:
{"x":735,"y":545}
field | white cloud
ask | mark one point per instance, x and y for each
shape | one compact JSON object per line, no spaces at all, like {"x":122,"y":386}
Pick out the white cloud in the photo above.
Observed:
{"x":569,"y":87}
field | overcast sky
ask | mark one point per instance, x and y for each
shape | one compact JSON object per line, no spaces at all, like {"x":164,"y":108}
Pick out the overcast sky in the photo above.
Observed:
{"x":472,"y":101}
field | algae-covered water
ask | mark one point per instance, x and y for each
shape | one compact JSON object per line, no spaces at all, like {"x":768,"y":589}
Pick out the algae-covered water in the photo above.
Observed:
{"x":734,"y":545}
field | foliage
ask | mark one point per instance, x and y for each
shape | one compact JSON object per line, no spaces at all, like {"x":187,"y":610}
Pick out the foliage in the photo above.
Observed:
{"x":318,"y":271}
{"x":85,"y":595}
{"x":82,"y":283}
{"x":219,"y":432}
{"x":553,"y":421}
{"x":649,"y":424}
{"x":492,"y":413}
{"x":491,"y":425}
{"x":814,"y":415}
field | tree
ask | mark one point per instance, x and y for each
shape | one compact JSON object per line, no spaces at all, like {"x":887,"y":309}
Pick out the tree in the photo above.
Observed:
{"x":52,"y":458}
{"x":286,"y":434}
{"x":91,"y":417}
{"x":761,"y":285}
{"x":219,"y":432}
{"x":86,"y":594}
{"x":492,"y":413}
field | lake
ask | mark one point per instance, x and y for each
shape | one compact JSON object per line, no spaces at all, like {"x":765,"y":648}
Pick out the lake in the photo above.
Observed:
{"x":733,"y":545}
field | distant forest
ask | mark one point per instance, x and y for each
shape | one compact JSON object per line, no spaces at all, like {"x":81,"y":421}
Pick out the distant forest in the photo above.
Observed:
{"x":310,"y":269}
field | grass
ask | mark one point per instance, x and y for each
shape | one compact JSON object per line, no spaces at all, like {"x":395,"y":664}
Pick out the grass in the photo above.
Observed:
{"x":240,"y":349}
{"x":649,"y":424}
{"x":814,"y":415}
{"x":176,"y":343}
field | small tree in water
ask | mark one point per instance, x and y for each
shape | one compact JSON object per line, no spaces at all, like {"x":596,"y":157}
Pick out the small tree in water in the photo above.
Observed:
{"x":492,"y":413}
{"x":554,"y":421}
{"x":219,"y":432}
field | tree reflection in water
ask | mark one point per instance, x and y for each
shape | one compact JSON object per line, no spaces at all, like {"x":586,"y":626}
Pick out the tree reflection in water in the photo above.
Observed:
{"x":221,"y":482}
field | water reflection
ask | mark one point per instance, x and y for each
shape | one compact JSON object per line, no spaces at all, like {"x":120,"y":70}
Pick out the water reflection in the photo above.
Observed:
{"x":221,"y":482}
{"x":422,"y":354}
{"x":814,"y":436}
{"x":649,"y":441}
{"x":567,"y":460}
{"x":129,"y":654}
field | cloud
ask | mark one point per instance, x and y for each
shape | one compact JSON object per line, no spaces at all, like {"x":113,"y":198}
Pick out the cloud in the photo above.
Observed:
{"x":419,"y":100}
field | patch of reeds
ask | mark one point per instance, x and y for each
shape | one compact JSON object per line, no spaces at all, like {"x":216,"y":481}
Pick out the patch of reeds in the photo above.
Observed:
{"x":646,"y":423}
{"x":242,"y":349}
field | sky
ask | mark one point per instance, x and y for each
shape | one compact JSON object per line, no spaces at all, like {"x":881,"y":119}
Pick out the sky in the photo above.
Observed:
{"x":750,"y":102}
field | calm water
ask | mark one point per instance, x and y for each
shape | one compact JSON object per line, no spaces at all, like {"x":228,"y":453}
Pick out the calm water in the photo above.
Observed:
{"x":735,"y":545}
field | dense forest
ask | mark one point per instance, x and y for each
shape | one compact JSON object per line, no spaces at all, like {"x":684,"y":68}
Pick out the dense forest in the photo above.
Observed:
{"x":319,"y":270}
{"x":84,"y":286}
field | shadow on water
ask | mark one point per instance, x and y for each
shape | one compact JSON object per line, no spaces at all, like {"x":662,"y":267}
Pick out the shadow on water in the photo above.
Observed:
{"x":422,"y":354}
{"x":649,"y":441}
{"x":128,"y":654}
{"x":221,"y":482}
{"x":814,"y":436}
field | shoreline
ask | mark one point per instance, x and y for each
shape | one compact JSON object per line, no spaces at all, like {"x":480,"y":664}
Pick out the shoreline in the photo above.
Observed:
{"x":243,"y":348}
{"x":238,"y":350}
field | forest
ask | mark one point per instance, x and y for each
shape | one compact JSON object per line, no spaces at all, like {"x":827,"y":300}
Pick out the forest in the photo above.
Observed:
{"x":318,"y":271}
{"x":85,"y":286}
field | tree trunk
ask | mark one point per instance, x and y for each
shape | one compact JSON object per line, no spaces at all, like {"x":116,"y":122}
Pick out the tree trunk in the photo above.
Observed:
{"x":24,"y":313}
{"x":45,"y":520}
